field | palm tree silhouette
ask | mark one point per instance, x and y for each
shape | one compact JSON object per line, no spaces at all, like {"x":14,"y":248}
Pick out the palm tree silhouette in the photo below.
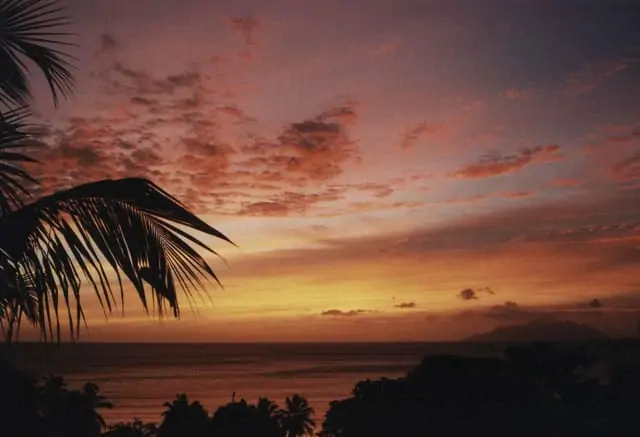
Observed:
{"x":267,"y":407}
{"x":137,"y":428}
{"x":182,"y":418}
{"x":296,"y":419}
{"x":240,"y":419}
{"x":49,"y":246}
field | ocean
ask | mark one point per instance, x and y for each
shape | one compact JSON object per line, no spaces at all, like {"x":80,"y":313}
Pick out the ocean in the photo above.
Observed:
{"x":140,"y":378}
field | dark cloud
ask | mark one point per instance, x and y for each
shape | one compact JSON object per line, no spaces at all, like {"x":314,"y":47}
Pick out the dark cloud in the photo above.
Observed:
{"x":306,"y":152}
{"x":496,"y":164}
{"x":340,"y":313}
{"x":405,"y":305}
{"x":615,"y":305}
{"x":595,"y":303}
{"x":508,"y":310}
{"x":471,"y":294}
{"x":107,"y":44}
{"x":468,"y":294}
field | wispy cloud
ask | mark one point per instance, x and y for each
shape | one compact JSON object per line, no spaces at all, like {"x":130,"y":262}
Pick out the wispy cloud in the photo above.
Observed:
{"x":340,"y":313}
{"x":406,"y":305}
{"x":418,"y":132}
{"x":520,"y":93}
{"x":496,"y":164}
{"x":593,"y":75}
{"x":497,"y":195}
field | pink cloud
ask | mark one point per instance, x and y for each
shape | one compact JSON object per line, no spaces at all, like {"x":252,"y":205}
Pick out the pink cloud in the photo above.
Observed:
{"x":520,"y":93}
{"x":421,"y":130}
{"x":496,"y":164}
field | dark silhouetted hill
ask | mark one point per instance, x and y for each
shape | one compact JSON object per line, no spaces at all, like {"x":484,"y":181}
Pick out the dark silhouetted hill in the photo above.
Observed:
{"x":541,"y":330}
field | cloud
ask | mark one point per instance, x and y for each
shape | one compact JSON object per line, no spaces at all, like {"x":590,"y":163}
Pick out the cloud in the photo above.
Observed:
{"x":614,"y":139}
{"x":578,"y":311}
{"x":340,"y":313}
{"x":246,"y":27}
{"x":627,"y":169}
{"x":592,"y":76}
{"x":211,"y":160}
{"x":496,"y":164}
{"x":421,"y":130}
{"x":406,"y":305}
{"x":378,"y":190}
{"x":468,"y":294}
{"x":310,"y":151}
{"x":107,"y":44}
{"x":497,"y":195}
{"x":595,"y":303}
{"x":471,"y":294}
{"x":289,"y":202}
{"x":520,"y":93}
{"x":566,"y":183}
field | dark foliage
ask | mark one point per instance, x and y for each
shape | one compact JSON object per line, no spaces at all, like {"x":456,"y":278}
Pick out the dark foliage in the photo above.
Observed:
{"x":534,"y":391}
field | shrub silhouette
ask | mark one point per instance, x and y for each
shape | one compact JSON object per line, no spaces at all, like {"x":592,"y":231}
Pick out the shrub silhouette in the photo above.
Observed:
{"x":535,"y":390}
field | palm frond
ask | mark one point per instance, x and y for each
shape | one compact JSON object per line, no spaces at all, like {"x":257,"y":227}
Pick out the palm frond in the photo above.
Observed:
{"x":18,"y":300}
{"x":14,"y":180}
{"x":33,"y":30}
{"x":129,"y":224}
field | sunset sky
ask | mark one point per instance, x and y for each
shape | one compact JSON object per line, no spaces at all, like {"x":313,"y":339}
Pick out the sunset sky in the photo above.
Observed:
{"x":390,"y":170}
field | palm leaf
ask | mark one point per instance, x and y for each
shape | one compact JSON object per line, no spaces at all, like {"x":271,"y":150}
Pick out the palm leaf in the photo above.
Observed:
{"x":14,"y":180}
{"x":129,"y":224}
{"x":33,"y":30}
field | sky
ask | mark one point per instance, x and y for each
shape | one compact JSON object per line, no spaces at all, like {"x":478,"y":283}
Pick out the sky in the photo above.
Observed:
{"x":390,"y":171}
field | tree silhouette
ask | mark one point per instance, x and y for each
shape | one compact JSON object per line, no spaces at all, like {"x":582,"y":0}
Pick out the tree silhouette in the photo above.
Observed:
{"x":267,"y":407}
{"x":182,"y":418}
{"x":19,"y":402}
{"x":49,"y":246}
{"x":240,"y":419}
{"x":296,"y":419}
{"x":137,"y":428}
{"x":71,"y":412}
{"x":47,"y":408}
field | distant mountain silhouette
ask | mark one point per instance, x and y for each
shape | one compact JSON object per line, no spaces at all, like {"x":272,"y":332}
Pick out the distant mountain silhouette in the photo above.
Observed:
{"x":541,"y":330}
